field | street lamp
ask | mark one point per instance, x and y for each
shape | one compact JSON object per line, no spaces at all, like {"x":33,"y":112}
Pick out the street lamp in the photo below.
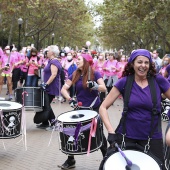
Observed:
{"x":156,"y":40}
{"x":133,"y":45}
{"x":53,"y":37}
{"x":141,"y":43}
{"x":0,"y":18}
{"x":20,"y":21}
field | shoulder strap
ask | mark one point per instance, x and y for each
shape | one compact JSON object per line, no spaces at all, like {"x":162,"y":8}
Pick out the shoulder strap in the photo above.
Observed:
{"x":127,"y":92}
{"x":153,"y":93}
{"x":128,"y":87}
{"x":154,"y":109}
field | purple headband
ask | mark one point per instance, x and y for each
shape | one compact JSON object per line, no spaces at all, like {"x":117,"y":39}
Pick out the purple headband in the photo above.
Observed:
{"x":139,"y":52}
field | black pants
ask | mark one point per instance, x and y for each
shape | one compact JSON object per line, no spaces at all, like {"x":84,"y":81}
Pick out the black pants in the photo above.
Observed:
{"x":15,"y":77}
{"x":51,"y":113}
{"x":103,"y":148}
{"x":23,"y":78}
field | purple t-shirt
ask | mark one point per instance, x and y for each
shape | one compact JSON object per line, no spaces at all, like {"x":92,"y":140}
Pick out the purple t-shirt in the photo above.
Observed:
{"x":138,"y":120}
{"x":168,"y":70}
{"x":87,"y":96}
{"x":55,"y":86}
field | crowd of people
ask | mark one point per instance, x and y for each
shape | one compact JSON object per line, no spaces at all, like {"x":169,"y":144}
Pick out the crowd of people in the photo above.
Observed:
{"x":97,"y":80}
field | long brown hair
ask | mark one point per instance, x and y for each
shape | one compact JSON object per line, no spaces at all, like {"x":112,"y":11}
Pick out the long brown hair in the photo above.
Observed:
{"x":83,"y":73}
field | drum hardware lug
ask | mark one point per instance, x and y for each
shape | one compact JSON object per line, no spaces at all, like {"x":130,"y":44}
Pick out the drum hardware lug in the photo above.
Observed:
{"x":123,"y":146}
{"x":147,"y":146}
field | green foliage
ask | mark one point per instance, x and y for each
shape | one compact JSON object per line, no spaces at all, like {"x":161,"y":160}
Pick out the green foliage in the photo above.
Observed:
{"x":69,"y":20}
{"x":127,"y":21}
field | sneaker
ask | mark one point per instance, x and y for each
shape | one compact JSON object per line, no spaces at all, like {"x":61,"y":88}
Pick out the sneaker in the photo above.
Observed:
{"x":68,"y":164}
{"x":50,"y":128}
{"x":63,"y":100}
{"x":42,"y":126}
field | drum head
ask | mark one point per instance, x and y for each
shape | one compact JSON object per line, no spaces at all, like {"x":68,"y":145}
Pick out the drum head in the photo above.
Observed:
{"x":8,"y":105}
{"x":142,"y":160}
{"x":77,"y":116}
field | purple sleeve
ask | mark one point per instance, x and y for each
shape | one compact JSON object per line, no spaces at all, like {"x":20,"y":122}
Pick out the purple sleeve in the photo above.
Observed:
{"x":97,"y":75}
{"x":120,"y":84}
{"x":163,"y":83}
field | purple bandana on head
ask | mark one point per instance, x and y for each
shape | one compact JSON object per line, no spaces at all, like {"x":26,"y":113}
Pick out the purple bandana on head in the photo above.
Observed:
{"x":140,"y":52}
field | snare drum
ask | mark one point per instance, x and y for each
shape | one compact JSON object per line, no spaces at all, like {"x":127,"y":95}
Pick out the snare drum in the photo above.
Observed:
{"x":140,"y":160}
{"x":33,"y":100}
{"x":68,"y":123}
{"x":10,"y":119}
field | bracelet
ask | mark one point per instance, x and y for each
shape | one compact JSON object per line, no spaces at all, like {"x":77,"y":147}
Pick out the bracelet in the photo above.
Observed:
{"x":70,"y":99}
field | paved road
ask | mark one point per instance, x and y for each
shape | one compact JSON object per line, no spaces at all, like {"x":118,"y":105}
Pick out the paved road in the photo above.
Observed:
{"x":40,"y":156}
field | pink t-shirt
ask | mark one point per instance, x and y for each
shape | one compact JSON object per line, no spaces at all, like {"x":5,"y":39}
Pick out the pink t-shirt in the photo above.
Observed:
{"x":162,"y":71}
{"x":17,"y":59}
{"x":110,"y":67}
{"x":4,"y":61}
{"x":98,"y":66}
{"x":32,"y":67}
{"x":122,"y":66}
{"x":23,"y":67}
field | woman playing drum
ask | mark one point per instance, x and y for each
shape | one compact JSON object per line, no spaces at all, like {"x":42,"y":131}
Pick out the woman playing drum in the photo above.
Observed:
{"x":138,"y":117}
{"x":87,"y":84}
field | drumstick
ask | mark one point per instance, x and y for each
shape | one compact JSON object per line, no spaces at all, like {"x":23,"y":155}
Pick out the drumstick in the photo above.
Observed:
{"x":122,"y":153}
{"x":130,"y":165}
{"x":89,"y":71}
{"x":11,"y":47}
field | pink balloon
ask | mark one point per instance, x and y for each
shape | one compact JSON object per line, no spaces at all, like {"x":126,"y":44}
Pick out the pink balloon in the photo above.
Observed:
{"x":67,"y":49}
{"x":88,"y":43}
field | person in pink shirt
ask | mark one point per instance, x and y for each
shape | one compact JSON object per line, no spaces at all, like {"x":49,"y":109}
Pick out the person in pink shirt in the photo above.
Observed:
{"x":122,"y":63}
{"x":110,"y":67}
{"x":98,"y":65}
{"x":23,"y":68}
{"x":7,"y":59}
{"x":32,"y":64}
{"x":165,"y":63}
{"x":67,"y":63}
{"x":16,"y":68}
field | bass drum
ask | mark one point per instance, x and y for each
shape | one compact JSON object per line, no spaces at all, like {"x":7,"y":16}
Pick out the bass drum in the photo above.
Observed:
{"x":140,"y":160}
{"x":33,"y":100}
{"x":78,"y":144}
{"x":10,"y":123}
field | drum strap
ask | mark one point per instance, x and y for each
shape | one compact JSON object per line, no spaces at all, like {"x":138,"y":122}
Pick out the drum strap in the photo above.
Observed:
{"x":128,"y":87}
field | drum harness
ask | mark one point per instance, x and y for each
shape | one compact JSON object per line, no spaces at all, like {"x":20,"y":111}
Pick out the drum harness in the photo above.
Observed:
{"x":155,"y":112}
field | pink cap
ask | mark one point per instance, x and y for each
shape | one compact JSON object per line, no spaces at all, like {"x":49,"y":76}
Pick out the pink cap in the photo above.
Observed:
{"x":88,"y":58}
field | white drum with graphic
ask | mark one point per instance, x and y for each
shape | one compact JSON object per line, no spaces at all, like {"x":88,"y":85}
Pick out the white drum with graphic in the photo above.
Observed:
{"x":10,"y":119}
{"x":75,"y":129}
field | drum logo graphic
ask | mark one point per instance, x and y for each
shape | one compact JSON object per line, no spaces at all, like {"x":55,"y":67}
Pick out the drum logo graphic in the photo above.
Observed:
{"x":10,"y":124}
{"x":72,"y":143}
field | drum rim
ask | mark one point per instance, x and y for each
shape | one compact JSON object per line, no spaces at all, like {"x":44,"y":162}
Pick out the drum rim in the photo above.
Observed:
{"x":83,"y":121}
{"x":19,"y":107}
{"x":28,"y":88}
